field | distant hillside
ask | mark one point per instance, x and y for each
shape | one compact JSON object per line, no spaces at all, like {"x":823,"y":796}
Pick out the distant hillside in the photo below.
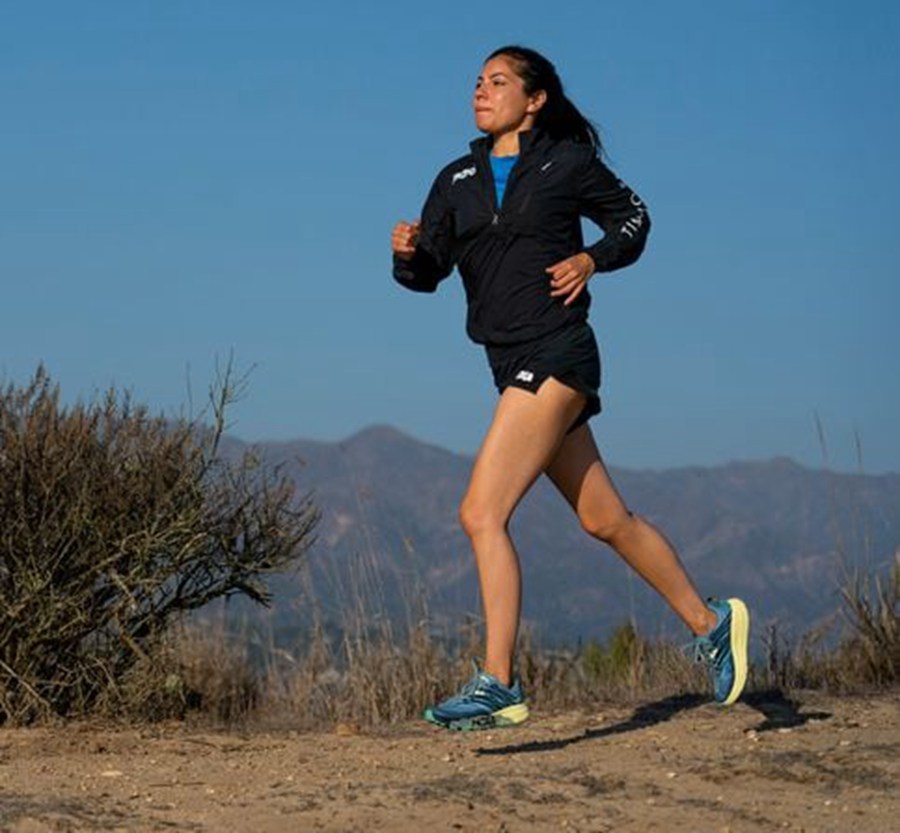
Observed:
{"x":767,"y":531}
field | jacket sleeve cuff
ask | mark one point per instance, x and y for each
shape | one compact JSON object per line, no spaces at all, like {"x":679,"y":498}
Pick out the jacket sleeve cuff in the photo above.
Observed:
{"x":414,"y":274}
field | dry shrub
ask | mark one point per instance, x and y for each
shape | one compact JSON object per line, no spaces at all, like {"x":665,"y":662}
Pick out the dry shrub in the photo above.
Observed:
{"x":865,"y":656}
{"x":114,"y":523}
{"x":868,"y":654}
{"x":871,"y":605}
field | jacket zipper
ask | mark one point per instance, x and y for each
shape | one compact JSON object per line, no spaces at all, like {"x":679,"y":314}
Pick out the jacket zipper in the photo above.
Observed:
{"x":514,"y":176}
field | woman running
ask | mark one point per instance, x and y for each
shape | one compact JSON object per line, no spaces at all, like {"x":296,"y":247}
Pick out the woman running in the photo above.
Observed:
{"x":507,"y":216}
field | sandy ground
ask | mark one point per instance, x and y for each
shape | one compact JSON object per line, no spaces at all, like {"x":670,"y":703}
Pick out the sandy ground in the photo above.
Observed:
{"x":679,"y":764}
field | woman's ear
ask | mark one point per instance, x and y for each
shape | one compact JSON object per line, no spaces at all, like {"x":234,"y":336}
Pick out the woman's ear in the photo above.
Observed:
{"x":536,"y":101}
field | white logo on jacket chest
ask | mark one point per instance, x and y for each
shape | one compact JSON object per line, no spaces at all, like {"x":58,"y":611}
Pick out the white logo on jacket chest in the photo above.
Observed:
{"x":525,"y":376}
{"x":465,"y":172}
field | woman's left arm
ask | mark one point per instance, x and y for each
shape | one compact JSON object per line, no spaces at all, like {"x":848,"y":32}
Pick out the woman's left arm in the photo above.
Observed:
{"x":612,"y":205}
{"x":621,"y":213}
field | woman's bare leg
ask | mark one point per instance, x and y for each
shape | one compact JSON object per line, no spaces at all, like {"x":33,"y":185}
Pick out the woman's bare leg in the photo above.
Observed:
{"x":578,"y":472}
{"x":524,"y":436}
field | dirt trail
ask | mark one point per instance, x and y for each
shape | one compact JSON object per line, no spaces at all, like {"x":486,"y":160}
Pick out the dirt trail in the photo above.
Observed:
{"x":676,"y":765}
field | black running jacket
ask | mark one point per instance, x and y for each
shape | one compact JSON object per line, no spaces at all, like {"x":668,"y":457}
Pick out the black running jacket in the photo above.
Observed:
{"x":502,"y":251}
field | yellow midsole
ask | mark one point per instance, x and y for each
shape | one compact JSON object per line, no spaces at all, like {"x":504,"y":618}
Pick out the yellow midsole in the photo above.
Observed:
{"x":740,"y":628}
{"x":512,"y":714}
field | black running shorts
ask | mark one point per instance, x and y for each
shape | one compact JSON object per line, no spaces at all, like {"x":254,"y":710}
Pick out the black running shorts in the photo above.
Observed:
{"x":569,"y":355}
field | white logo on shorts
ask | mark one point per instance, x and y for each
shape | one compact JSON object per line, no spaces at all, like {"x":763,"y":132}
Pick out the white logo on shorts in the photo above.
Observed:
{"x":524,"y":376}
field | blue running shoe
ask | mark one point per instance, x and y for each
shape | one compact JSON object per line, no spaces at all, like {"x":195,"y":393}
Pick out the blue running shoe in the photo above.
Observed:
{"x":482,"y":703}
{"x":724,"y":649}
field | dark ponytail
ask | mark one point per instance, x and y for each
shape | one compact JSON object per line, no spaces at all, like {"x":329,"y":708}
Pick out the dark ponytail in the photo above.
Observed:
{"x":559,"y":117}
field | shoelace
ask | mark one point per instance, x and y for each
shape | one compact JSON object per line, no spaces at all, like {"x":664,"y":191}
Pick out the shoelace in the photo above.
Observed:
{"x":704,"y":651}
{"x":480,"y":688}
{"x":471,"y":688}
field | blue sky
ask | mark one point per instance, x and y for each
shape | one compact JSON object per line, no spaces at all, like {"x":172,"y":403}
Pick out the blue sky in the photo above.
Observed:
{"x":179,"y":180}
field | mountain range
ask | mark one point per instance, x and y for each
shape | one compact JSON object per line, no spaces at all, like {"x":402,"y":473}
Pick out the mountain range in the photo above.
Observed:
{"x":782,"y":536}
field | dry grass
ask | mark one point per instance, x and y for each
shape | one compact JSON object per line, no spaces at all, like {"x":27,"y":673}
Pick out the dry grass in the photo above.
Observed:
{"x":378,"y":672}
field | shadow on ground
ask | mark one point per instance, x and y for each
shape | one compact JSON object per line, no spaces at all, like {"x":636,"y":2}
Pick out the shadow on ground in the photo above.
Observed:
{"x":644,"y":716}
{"x":779,"y":712}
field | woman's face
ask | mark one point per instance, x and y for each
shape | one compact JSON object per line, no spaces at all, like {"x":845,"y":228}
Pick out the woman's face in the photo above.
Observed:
{"x":501,"y":103}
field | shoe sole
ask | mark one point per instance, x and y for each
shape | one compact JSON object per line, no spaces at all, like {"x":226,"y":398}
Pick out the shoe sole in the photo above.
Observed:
{"x":501,"y":719}
{"x":740,"y":630}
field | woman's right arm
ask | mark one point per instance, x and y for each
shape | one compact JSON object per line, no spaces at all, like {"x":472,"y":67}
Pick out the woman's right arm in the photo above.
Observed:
{"x":423,"y":250}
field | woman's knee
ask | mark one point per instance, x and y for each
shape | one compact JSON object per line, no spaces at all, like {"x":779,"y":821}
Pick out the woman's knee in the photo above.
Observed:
{"x":607,"y":527}
{"x":477,"y":517}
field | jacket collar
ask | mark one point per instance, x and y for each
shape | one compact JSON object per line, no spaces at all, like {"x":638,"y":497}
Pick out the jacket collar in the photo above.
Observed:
{"x":528,"y":140}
